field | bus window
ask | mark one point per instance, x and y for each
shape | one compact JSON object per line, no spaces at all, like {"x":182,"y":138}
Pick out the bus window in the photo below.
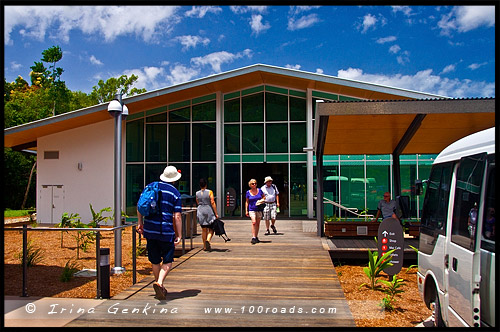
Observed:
{"x":435,"y":208}
{"x":467,"y":194}
{"x":488,"y":238}
{"x":436,"y":198}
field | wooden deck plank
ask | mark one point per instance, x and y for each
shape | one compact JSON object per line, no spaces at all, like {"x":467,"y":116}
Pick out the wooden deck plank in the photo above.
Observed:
{"x":287,"y":271}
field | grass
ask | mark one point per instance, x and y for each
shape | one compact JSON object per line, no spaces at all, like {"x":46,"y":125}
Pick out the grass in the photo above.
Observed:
{"x":15,"y":213}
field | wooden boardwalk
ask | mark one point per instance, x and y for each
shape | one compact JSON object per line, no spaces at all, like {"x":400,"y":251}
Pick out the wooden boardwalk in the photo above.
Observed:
{"x":286,"y":280}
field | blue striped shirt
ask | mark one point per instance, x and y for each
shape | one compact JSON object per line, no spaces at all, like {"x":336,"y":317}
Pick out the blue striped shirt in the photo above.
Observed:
{"x":162,"y":227}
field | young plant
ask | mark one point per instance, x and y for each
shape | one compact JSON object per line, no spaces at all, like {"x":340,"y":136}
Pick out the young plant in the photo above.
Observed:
{"x":413,"y":265}
{"x":393,"y":288}
{"x":67,"y":220}
{"x":97,"y":217}
{"x":33,"y":255}
{"x":376,"y":266}
{"x":69,"y":269}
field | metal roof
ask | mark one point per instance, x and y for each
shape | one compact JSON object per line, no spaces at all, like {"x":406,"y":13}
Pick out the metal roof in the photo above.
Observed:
{"x":25,"y":136}
{"x":398,"y":126}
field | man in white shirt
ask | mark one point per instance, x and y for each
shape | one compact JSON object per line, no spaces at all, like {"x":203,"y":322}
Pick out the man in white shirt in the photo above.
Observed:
{"x":272,"y":203}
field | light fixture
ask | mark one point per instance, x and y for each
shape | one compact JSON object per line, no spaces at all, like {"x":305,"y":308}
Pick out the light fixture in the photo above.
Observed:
{"x":114,"y":106}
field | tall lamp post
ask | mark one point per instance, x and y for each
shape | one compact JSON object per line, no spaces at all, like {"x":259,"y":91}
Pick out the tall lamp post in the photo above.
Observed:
{"x":119,"y":111}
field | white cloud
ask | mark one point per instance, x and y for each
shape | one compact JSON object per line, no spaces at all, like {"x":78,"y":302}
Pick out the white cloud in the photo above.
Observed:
{"x":295,"y":10}
{"x":475,"y":66}
{"x":189,"y":41}
{"x":14,"y":66}
{"x":425,"y":81}
{"x":387,"y":39}
{"x":201,"y":11}
{"x":466,"y":18}
{"x":319,"y":71}
{"x":406,"y":10}
{"x":148,"y":77}
{"x":368,"y":21}
{"x":215,"y":60}
{"x":256,"y":24}
{"x":180,"y":74}
{"x":394,"y":49}
{"x":403,"y":58}
{"x":110,"y":22}
{"x":303,"y":22}
{"x":247,"y":9}
{"x":448,"y":69}
{"x":95,"y":61}
{"x":293,"y":67}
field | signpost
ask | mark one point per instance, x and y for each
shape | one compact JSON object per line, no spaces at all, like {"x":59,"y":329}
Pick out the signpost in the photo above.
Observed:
{"x":390,"y":236}
{"x":230,"y":200}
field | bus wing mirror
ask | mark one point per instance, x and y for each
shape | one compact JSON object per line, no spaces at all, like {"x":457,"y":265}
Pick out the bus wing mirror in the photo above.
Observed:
{"x":419,"y":187}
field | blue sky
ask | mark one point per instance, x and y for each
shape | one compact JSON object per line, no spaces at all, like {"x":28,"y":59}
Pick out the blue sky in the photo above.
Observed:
{"x":445,"y":50}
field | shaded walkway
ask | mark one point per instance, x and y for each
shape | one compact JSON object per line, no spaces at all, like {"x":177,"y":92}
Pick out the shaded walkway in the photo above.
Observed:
{"x":286,"y":280}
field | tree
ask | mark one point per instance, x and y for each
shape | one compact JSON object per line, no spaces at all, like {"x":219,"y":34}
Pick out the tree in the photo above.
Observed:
{"x":53,"y":55}
{"x":105,"y":91}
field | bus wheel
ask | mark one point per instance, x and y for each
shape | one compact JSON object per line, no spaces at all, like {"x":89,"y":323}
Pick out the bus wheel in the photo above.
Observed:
{"x":436,"y":312}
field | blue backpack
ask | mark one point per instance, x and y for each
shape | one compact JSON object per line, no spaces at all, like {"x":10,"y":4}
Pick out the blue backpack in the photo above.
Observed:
{"x":149,"y":202}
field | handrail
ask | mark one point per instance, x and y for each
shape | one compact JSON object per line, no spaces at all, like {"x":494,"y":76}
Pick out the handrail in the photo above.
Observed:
{"x":351,"y":210}
{"x":25,"y":229}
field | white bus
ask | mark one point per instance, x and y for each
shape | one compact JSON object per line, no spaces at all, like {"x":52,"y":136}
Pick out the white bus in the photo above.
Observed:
{"x":456,"y":258}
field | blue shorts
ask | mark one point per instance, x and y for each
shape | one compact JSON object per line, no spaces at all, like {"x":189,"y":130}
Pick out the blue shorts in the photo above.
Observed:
{"x":158,"y":250}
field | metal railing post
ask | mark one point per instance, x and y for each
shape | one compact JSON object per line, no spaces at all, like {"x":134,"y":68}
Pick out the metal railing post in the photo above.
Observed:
{"x":97,"y":264}
{"x":192,"y":228}
{"x":134,"y":257}
{"x":183,"y":217}
{"x":25,"y":261}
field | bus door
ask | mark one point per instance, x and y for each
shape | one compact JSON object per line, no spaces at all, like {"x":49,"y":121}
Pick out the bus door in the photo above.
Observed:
{"x":462,"y":259}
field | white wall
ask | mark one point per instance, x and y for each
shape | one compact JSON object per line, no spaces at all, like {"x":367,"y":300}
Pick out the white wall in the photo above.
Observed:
{"x":93,"y":146}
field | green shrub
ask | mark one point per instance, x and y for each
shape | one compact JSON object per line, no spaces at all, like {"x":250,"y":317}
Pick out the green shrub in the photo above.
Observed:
{"x":376,"y":266}
{"x":69,"y":269}
{"x":393,"y":288}
{"x":34,"y":256}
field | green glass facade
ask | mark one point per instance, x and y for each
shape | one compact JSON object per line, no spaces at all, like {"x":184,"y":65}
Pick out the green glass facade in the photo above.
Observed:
{"x":262,"y":131}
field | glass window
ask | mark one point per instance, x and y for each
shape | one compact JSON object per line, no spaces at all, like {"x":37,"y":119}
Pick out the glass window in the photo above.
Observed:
{"x":206,"y":171}
{"x":180,"y":115}
{"x":135,"y":140}
{"x":135,"y":185}
{"x":489,"y":219}
{"x":408,"y":177}
{"x":183,"y":185}
{"x":252,"y":108}
{"x":298,"y":195}
{"x":204,"y":142}
{"x":297,"y":109}
{"x":276,"y":107}
{"x":162,"y":117}
{"x":424,"y":171}
{"x":298,"y":138}
{"x":253,"y":138}
{"x":232,"y":180}
{"x":436,"y":200}
{"x":178,"y":136}
{"x":204,"y":112}
{"x":232,"y":110}
{"x":153,"y":172}
{"x":467,"y":193}
{"x":377,"y":177}
{"x":156,"y":138}
{"x":232,"y":138}
{"x":353,"y":189}
{"x":277,"y":138}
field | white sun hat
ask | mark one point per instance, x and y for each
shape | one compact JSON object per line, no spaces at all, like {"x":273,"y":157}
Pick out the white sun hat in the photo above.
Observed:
{"x":268,"y":178}
{"x":170,"y":174}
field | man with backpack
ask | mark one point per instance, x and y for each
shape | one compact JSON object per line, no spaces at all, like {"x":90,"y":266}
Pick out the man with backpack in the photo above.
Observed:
{"x":159,"y":219}
{"x":272,"y":203}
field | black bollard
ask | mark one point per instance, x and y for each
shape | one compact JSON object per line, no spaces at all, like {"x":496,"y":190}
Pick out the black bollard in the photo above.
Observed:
{"x":104,"y":272}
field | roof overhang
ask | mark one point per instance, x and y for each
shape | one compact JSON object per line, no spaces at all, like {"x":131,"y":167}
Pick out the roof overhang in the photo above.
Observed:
{"x":398,"y":127}
{"x":25,"y":136}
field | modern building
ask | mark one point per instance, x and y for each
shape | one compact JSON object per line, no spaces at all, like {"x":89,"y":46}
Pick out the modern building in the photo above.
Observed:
{"x":228,"y":128}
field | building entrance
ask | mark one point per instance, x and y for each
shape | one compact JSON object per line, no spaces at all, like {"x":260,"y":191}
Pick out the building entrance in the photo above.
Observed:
{"x":279,"y":173}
